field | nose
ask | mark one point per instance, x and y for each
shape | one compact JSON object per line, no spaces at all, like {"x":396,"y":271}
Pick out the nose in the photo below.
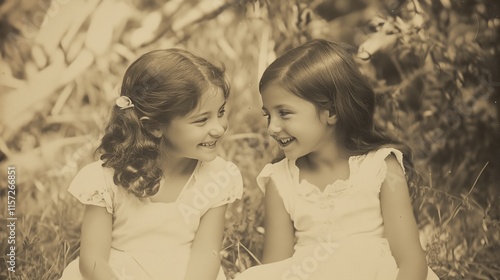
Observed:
{"x":219,"y":127}
{"x":274,"y":127}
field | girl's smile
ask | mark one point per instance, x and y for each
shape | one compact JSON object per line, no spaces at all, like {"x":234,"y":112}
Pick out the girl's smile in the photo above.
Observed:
{"x":209,"y":145}
{"x":284,"y":142}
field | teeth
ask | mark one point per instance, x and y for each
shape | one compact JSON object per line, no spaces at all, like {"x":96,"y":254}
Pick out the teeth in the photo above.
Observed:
{"x":286,"y":140}
{"x":208,"y":144}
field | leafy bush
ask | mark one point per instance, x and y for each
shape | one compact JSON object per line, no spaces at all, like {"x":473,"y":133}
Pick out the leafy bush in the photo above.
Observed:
{"x":436,"y":77}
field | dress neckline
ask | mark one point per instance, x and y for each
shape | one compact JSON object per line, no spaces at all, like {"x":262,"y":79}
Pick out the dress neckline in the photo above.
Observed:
{"x":311,"y":191}
{"x":188,"y":182}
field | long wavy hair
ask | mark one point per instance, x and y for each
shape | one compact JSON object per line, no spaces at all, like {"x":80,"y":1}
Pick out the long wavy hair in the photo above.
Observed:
{"x":163,"y":85}
{"x":325,"y":74}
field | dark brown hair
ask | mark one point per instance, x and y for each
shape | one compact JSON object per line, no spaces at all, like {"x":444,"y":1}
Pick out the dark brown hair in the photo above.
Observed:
{"x":163,"y":85}
{"x":325,"y":74}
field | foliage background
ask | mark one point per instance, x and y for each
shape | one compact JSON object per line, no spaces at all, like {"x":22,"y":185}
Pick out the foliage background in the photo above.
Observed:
{"x":434,"y":66}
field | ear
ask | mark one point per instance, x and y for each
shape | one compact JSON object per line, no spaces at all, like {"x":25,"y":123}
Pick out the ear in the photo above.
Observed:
{"x":332,"y":118}
{"x":329,"y":117}
{"x":157,"y":133}
{"x":151,"y":126}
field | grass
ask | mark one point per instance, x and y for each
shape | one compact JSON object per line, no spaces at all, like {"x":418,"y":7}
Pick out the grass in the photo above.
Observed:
{"x":460,"y":234}
{"x":457,"y":205}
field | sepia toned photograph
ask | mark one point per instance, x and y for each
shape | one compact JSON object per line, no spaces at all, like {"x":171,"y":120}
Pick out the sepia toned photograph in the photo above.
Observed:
{"x":249,"y":139}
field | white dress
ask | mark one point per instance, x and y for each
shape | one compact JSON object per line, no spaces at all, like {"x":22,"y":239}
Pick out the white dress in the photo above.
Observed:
{"x":339,"y":231}
{"x":152,"y":240}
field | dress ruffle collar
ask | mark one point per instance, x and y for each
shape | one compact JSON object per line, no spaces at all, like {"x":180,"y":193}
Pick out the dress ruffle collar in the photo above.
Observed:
{"x":312,"y":193}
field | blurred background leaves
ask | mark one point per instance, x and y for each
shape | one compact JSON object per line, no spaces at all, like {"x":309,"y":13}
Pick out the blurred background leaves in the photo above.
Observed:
{"x":434,"y":66}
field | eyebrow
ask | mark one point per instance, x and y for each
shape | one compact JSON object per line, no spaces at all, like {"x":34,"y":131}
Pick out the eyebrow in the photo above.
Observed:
{"x":275,"y":107}
{"x":207,"y":112}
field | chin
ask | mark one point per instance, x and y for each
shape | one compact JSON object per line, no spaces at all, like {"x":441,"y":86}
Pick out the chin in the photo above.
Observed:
{"x":207,"y":157}
{"x":210,"y":158}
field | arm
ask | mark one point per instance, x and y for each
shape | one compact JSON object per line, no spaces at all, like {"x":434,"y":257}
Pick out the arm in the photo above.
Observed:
{"x":204,"y":262}
{"x":96,"y":244}
{"x":400,"y":225}
{"x":279,"y":235}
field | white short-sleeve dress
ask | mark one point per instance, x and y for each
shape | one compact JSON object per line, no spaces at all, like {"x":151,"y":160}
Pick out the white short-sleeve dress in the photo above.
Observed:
{"x":339,"y":231}
{"x":152,"y":240}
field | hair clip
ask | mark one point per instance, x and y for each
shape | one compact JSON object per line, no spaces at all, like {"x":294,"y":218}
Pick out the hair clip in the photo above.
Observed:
{"x":124,"y":102}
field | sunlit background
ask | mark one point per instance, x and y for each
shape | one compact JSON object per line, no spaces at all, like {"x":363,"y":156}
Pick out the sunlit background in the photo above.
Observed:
{"x":434,"y":65}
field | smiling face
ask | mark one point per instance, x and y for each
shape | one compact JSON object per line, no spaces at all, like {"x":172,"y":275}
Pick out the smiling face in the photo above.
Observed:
{"x":295,"y":123}
{"x":196,"y":135}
